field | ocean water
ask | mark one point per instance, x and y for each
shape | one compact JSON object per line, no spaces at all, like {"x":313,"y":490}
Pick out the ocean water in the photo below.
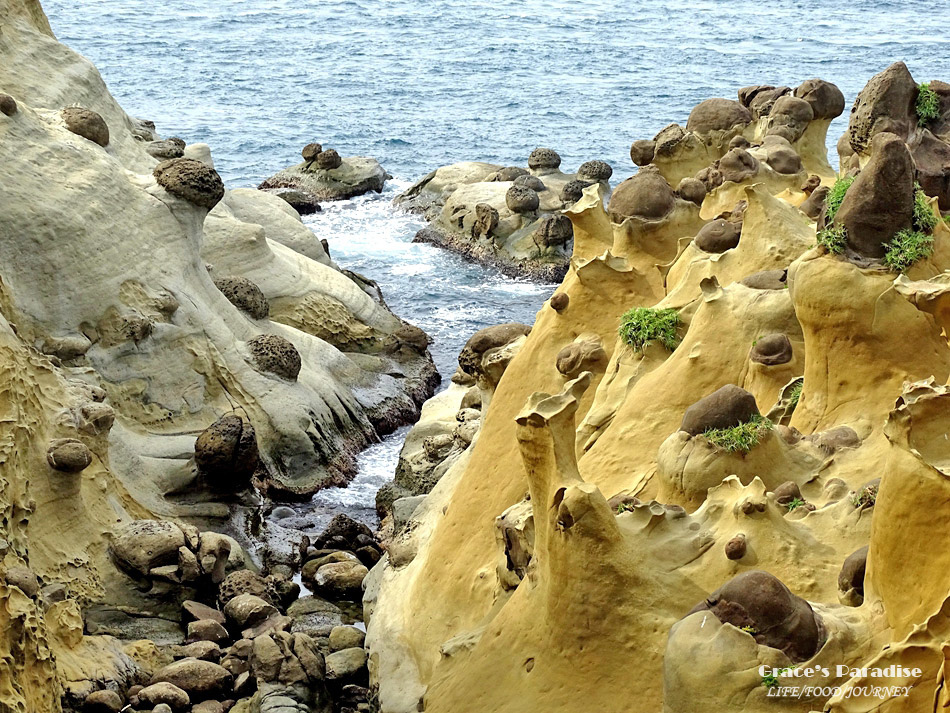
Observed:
{"x":422,"y":84}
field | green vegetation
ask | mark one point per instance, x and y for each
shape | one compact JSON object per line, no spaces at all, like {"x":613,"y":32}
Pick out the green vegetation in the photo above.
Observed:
{"x":641,"y":326}
{"x":739,"y":439}
{"x":835,"y":196}
{"x":795,"y":394}
{"x":925,"y":220}
{"x":928,"y":104}
{"x":624,"y":507}
{"x":795,"y":504}
{"x":835,"y":239}
{"x":866,"y":498}
{"x":906,"y":248}
{"x":770,"y":680}
{"x":749,"y":630}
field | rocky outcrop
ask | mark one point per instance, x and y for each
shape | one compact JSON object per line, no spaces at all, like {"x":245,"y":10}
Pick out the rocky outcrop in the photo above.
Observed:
{"x":508,"y":217}
{"x":325,"y":176}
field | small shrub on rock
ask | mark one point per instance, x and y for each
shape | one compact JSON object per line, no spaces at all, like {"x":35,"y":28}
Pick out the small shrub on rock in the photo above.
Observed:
{"x":641,"y":326}
{"x":927,"y":105}
{"x":906,"y":248}
{"x":742,"y":438}
{"x":834,"y":238}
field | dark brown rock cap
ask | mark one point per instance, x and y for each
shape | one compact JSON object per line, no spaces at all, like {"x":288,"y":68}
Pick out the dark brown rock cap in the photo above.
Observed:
{"x":724,"y":408}
{"x":645,"y":194}
{"x":190,"y":180}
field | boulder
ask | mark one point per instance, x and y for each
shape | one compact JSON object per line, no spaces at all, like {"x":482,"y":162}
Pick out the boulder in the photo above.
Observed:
{"x":23,"y":579}
{"x":226,"y":453}
{"x":346,"y":665}
{"x":717,"y":115}
{"x":508,"y":173}
{"x":736,"y":548}
{"x":738,"y":165}
{"x":766,"y":280}
{"x":8,"y":105}
{"x":773,"y":615}
{"x":717,"y":236}
{"x":86,"y":123}
{"x":573,"y":191}
{"x":68,"y":455}
{"x":880,"y":202}
{"x":724,"y":408}
{"x":521,"y":199}
{"x":143,"y":545}
{"x":645,"y":195}
{"x":851,"y":577}
{"x":542,"y":158}
{"x":102,"y":702}
{"x":486,"y":219}
{"x":304,"y":202}
{"x":346,"y":637}
{"x":166,"y":149}
{"x":771,"y":350}
{"x":555,"y":229}
{"x":276,"y":355}
{"x":783,"y":159}
{"x":245,"y":295}
{"x":190,"y":180}
{"x":248,"y":610}
{"x":814,"y":205}
{"x":199,"y":679}
{"x":489,"y":338}
{"x":825,"y":98}
{"x":581,"y":356}
{"x":790,"y":117}
{"x":340,"y":580}
{"x":532,"y":182}
{"x":787,"y":492}
{"x":886,"y":104}
{"x":196,"y":611}
{"x":642,"y":151}
{"x":692,"y":190}
{"x":207,"y":630}
{"x":932,"y":159}
{"x":343,"y":532}
{"x":595,"y":171}
{"x":311,"y":151}
{"x":559,"y":301}
{"x":243,"y":581}
{"x":164,"y":692}
{"x":328,"y":160}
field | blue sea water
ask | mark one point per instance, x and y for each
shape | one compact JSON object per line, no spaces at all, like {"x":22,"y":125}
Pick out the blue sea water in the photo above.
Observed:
{"x":422,"y":84}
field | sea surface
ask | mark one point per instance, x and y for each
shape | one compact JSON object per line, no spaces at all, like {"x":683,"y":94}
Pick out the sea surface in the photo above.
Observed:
{"x":422,"y":84}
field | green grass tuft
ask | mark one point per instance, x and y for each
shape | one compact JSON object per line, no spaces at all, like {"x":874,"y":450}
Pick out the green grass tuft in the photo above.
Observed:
{"x":739,"y":439}
{"x":925,"y":220}
{"x":795,"y":394}
{"x":794,"y":504}
{"x":928,"y":104}
{"x":641,"y":326}
{"x":906,"y":248}
{"x":866,"y":498}
{"x":835,"y":239}
{"x":835,"y":196}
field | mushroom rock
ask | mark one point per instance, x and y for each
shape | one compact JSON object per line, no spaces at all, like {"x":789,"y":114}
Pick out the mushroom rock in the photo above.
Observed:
{"x":642,"y":151}
{"x":584,"y":354}
{"x":787,"y":492}
{"x":68,"y":455}
{"x":692,"y":190}
{"x":885,"y":105}
{"x":826,"y":100}
{"x":790,"y":117}
{"x":595,"y":171}
{"x":311,"y":151}
{"x":521,"y":199}
{"x":86,"y":123}
{"x":328,"y":160}
{"x":726,"y":407}
{"x":814,"y":205}
{"x":226,"y":452}
{"x":779,"y":619}
{"x":486,"y":339}
{"x":717,"y":115}
{"x":245,"y":295}
{"x":771,"y":350}
{"x":760,"y":99}
{"x":717,"y":236}
{"x":783,"y":159}
{"x":8,"y":105}
{"x":190,"y":180}
{"x":851,"y":578}
{"x":275,"y":354}
{"x":555,"y":230}
{"x":532,"y":182}
{"x":542,"y":159}
{"x":646,"y":194}
{"x":737,"y":165}
{"x":573,"y":191}
{"x":880,"y":202}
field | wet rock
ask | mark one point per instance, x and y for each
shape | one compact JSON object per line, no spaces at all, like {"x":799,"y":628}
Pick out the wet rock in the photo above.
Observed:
{"x":164,"y":692}
{"x":226,"y":453}
{"x":717,"y":115}
{"x":646,"y":195}
{"x":521,"y":199}
{"x":86,"y":123}
{"x":245,"y":295}
{"x":486,"y":219}
{"x":532,"y":182}
{"x":595,"y":171}
{"x":573,"y":191}
{"x":736,"y":548}
{"x":166,"y":149}
{"x":311,"y":151}
{"x":851,"y":578}
{"x":68,"y":455}
{"x":724,"y":408}
{"x":771,"y":350}
{"x":560,"y":301}
{"x":581,"y":356}
{"x":199,"y":679}
{"x":276,"y":355}
{"x":642,"y":151}
{"x":814,"y":205}
{"x":346,"y":665}
{"x":787,"y":492}
{"x":8,"y":105}
{"x":555,"y":230}
{"x":717,"y":236}
{"x":328,"y":160}
{"x":886,"y":104}
{"x":692,"y":190}
{"x":542,"y":158}
{"x":190,"y":180}
{"x":343,"y":532}
{"x":790,"y":117}
{"x":346,"y":637}
{"x":774,"y":615}
{"x":489,"y":338}
{"x":825,"y":98}
{"x":738,"y":165}
{"x":880,"y":202}
{"x":766,"y":280}
{"x":102,"y":702}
